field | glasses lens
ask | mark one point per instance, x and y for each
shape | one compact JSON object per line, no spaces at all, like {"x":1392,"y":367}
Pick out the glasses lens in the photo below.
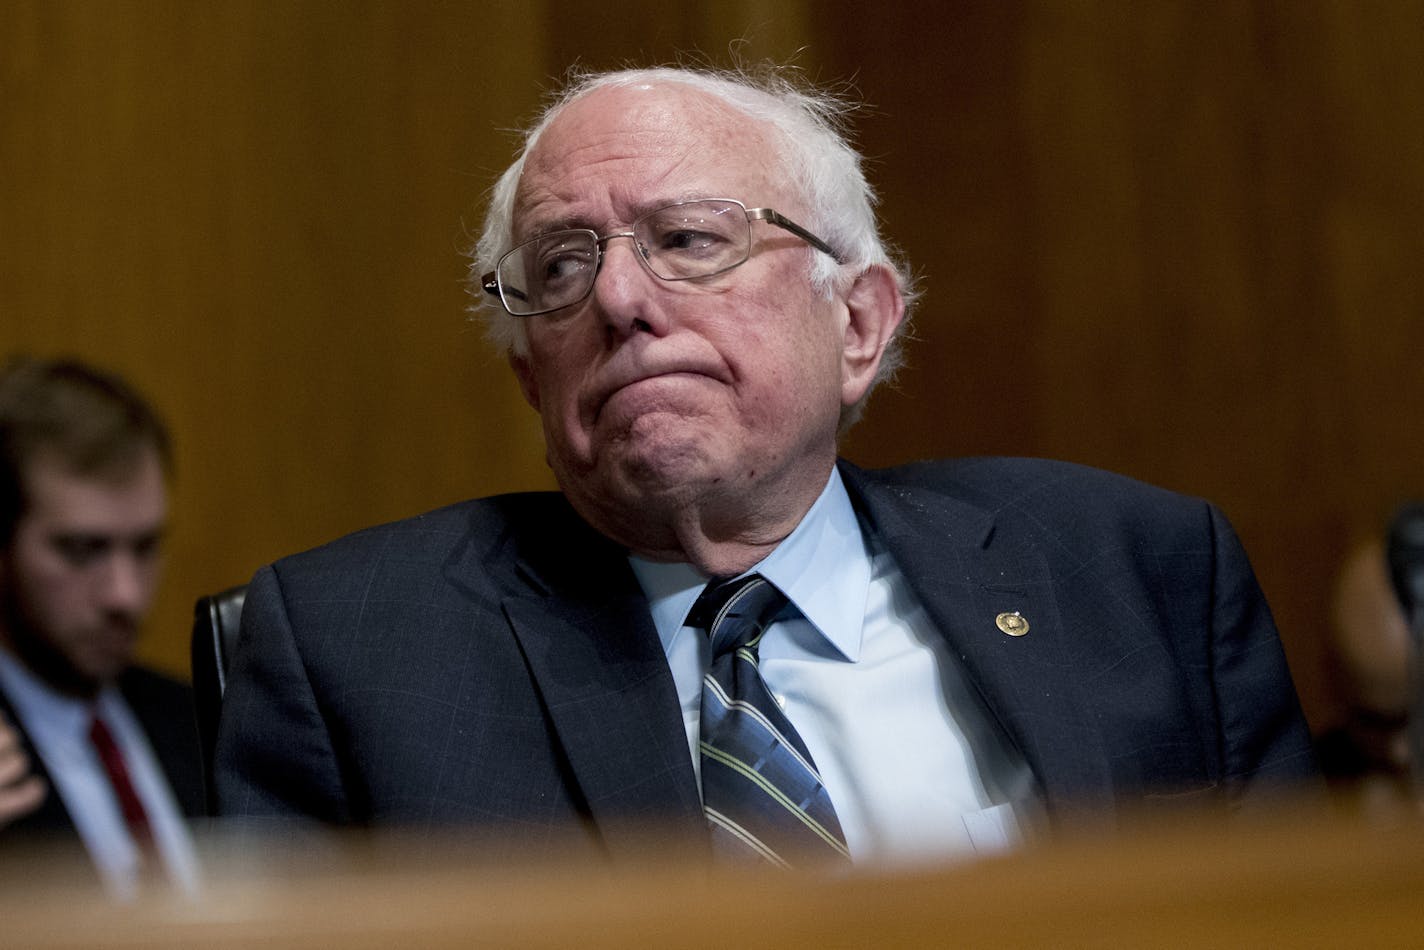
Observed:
{"x":694,"y":239}
{"x":549,"y":272}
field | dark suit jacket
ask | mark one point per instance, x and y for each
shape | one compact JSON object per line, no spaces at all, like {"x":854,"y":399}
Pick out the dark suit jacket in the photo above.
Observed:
{"x":494,"y":664}
{"x":164,"y":708}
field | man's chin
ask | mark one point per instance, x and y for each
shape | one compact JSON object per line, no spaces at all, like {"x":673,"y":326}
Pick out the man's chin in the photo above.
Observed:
{"x":82,"y":677}
{"x":666,"y":470}
{"x":104,"y":663}
{"x":652,"y":458}
{"x":106,"y":671}
{"x":639,"y":487}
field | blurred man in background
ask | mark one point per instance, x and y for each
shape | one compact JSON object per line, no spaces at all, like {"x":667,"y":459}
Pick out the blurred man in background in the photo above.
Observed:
{"x":1366,"y":755}
{"x":84,"y":465}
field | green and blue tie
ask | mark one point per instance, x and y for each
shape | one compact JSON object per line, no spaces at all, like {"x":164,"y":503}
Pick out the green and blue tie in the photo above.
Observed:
{"x":761,"y":792}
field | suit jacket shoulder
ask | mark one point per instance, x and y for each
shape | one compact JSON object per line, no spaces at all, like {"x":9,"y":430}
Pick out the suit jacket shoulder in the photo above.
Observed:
{"x":489,"y":664}
{"x":1057,"y":494}
{"x":1151,"y":665}
{"x":164,"y":707}
{"x":478,"y":544}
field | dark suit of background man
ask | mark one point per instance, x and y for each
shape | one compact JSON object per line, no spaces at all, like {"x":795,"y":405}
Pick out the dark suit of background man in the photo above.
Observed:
{"x":976,"y":649}
{"x":84,"y":464}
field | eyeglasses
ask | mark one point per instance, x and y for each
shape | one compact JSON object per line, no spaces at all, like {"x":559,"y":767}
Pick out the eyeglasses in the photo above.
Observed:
{"x":681,"y":241}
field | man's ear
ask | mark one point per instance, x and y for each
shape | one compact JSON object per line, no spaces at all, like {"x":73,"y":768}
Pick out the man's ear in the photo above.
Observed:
{"x":525,"y":374}
{"x":874,"y":309}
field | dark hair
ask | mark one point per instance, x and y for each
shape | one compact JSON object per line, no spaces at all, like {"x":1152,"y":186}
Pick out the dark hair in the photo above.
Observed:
{"x":92,"y":421}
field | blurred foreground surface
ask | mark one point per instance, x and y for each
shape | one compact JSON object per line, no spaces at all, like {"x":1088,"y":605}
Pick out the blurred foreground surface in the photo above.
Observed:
{"x":1302,"y":877}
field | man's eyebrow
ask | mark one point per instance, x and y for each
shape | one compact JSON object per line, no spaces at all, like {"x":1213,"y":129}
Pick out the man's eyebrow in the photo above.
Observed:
{"x":72,"y":544}
{"x":570,"y":222}
{"x":540,"y":228}
{"x":544,"y":217}
{"x":81,"y":536}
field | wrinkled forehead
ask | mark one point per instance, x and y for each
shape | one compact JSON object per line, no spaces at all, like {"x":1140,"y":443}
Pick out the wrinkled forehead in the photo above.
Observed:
{"x":640,"y":144}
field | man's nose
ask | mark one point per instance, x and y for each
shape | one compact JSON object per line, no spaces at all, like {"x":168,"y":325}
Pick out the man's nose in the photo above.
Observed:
{"x":624,"y":291}
{"x":126,"y":584}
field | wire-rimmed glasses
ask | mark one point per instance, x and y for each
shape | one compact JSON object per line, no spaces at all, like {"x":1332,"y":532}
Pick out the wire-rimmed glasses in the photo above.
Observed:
{"x":681,"y":241}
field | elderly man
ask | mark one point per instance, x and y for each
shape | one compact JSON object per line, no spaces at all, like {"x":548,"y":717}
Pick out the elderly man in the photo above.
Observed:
{"x":717,"y":631}
{"x":83,"y":510}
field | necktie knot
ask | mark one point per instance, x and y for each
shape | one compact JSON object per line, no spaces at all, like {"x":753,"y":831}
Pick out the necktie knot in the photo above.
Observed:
{"x":735,"y":613}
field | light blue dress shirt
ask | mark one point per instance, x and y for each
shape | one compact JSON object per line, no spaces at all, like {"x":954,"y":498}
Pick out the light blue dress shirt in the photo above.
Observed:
{"x":916,"y":767}
{"x":58,"y":727}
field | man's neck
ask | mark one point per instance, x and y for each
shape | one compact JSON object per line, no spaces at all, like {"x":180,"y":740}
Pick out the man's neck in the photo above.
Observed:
{"x":48,"y":667}
{"x":721,"y":535}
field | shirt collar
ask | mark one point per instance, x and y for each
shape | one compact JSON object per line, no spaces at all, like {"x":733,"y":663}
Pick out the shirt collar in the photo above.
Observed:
{"x":45,"y":710}
{"x":822,"y":567}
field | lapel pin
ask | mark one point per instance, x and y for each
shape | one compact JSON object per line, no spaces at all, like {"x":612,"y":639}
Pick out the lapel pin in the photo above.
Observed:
{"x":1013,"y":623}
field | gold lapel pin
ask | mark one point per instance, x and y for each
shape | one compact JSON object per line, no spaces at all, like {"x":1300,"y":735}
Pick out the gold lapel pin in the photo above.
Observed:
{"x":1013,"y":623}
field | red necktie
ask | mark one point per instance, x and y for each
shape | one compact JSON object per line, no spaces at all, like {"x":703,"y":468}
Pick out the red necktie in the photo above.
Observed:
{"x":113,"y":759}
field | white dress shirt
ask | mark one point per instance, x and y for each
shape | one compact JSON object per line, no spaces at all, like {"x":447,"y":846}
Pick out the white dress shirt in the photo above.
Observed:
{"x":58,"y":727}
{"x":915,"y":766}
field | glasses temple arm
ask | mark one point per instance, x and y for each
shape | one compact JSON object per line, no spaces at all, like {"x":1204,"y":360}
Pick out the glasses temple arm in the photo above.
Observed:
{"x":490,"y":283}
{"x":772,"y":216}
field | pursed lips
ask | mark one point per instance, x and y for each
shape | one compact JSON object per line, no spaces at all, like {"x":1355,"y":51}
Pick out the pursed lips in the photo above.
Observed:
{"x":620,"y":379}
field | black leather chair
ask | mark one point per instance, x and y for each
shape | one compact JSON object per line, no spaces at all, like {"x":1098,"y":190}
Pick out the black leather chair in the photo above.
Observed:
{"x":215,"y":623}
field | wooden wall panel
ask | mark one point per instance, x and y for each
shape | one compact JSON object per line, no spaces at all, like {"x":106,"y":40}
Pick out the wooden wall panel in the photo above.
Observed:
{"x":258,"y":212}
{"x":1171,"y":239}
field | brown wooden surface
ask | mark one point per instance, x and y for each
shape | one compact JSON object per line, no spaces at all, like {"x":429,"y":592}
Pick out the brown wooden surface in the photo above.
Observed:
{"x":1176,"y":239}
{"x":1299,"y":881}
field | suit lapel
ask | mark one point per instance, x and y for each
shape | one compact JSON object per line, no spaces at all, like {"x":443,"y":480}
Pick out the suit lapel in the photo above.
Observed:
{"x":583,"y":624}
{"x":968,"y":570}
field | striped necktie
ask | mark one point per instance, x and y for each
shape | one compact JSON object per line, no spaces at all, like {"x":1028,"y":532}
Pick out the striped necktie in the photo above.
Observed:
{"x":761,"y":793}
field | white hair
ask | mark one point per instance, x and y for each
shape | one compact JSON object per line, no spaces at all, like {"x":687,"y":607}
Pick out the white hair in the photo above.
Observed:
{"x":815,"y":153}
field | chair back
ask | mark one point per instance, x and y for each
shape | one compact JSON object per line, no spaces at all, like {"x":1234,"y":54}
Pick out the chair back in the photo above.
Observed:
{"x":216,"y":620}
